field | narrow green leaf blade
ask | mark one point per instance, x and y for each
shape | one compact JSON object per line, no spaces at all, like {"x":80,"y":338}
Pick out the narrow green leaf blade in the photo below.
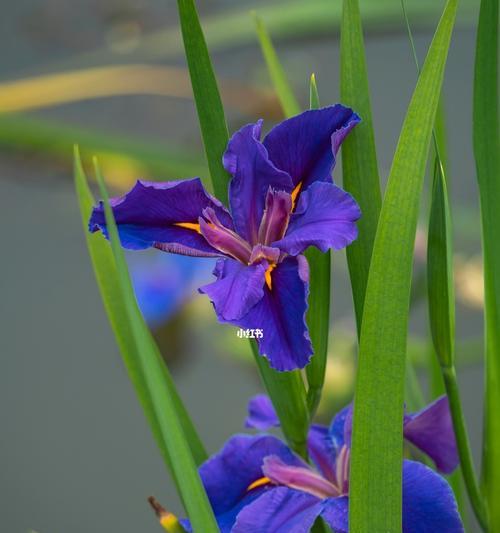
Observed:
{"x":171,"y":433}
{"x":206,"y":94}
{"x":359,"y":158}
{"x":281,"y":84}
{"x":487,"y":154}
{"x":107,"y":279}
{"x":318,"y":314}
{"x":375,"y":476}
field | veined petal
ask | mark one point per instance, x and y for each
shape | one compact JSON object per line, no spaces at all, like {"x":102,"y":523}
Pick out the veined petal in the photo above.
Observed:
{"x":163,"y":215}
{"x":428,"y":502}
{"x":228,"y":475}
{"x":223,"y":239}
{"x":280,"y":314}
{"x":276,"y":216}
{"x":280,"y":510}
{"x":305,"y":146}
{"x":237,"y":290}
{"x":301,"y":478}
{"x":341,"y":428}
{"x":431,"y":430}
{"x":261,"y":413}
{"x":325,"y":217}
{"x":247,"y":161}
{"x":336,"y":514}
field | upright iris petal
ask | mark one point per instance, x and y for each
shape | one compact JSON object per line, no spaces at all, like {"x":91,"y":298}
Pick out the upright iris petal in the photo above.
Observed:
{"x":282,"y":200}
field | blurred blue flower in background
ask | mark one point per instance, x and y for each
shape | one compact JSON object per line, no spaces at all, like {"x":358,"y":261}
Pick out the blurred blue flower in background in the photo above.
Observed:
{"x":163,"y":283}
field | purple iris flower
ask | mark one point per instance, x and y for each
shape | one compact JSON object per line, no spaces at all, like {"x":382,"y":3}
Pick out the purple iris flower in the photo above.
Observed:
{"x":256,"y":484}
{"x":282,"y":200}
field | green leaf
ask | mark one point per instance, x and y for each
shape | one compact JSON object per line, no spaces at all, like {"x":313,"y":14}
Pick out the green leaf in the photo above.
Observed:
{"x":375,"y":476}
{"x":158,"y":159}
{"x":487,"y":154}
{"x":359,"y":158}
{"x":169,"y":421}
{"x":318,"y":314}
{"x":280,"y":82}
{"x":206,"y":95}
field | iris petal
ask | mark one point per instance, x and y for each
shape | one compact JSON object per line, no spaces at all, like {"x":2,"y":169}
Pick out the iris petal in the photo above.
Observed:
{"x":280,"y":314}
{"x":336,"y":513}
{"x":148,"y":215}
{"x":428,"y":502}
{"x":431,"y":430}
{"x":237,"y":290}
{"x":305,"y":146}
{"x":280,"y":510}
{"x":253,"y":173}
{"x":325,"y":217}
{"x":227,"y":475}
{"x":261,"y":413}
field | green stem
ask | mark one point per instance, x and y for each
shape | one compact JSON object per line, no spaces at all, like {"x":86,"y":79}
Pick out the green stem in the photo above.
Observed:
{"x":463,"y":444}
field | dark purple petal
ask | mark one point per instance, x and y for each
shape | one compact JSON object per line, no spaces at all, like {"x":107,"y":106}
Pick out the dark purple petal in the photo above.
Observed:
{"x":321,"y":451}
{"x":336,"y":514}
{"x":281,"y":510}
{"x":247,"y":161}
{"x":325,"y":217}
{"x":237,"y":290}
{"x":341,"y":428}
{"x":280,"y":314}
{"x":226,"y":520}
{"x":431,"y":430}
{"x":428,"y":502}
{"x":261,"y":413}
{"x":148,"y":215}
{"x":228,"y":475}
{"x":305,"y":146}
{"x":223,"y":239}
{"x":276,"y":216}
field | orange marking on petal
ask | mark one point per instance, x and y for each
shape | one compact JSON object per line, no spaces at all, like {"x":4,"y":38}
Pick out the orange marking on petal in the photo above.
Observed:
{"x":258,"y":483}
{"x":295,"y":194}
{"x":268,"y":278}
{"x":189,"y":225}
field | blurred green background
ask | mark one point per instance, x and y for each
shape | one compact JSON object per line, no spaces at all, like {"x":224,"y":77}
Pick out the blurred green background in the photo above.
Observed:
{"x":76,"y":453}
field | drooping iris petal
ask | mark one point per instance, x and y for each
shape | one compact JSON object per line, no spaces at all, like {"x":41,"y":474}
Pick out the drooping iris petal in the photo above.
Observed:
{"x":280,"y":510}
{"x":325,"y":217}
{"x":431,"y":430}
{"x":237,"y":290}
{"x":228,"y":475}
{"x":305,"y":146}
{"x":149,"y":215}
{"x":336,"y":513}
{"x":253,"y":173}
{"x":261,"y":413}
{"x":276,"y":216}
{"x":280,"y":314}
{"x":428,"y":502}
{"x":226,"y":520}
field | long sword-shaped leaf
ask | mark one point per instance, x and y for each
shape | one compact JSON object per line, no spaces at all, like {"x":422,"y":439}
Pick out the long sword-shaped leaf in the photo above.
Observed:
{"x":375,"y":478}
{"x":107,"y":279}
{"x":173,"y":440}
{"x":359,"y":158}
{"x":487,"y":153}
{"x":318,"y":314}
{"x":286,"y":390}
{"x":277,"y":73}
{"x":206,"y":94}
